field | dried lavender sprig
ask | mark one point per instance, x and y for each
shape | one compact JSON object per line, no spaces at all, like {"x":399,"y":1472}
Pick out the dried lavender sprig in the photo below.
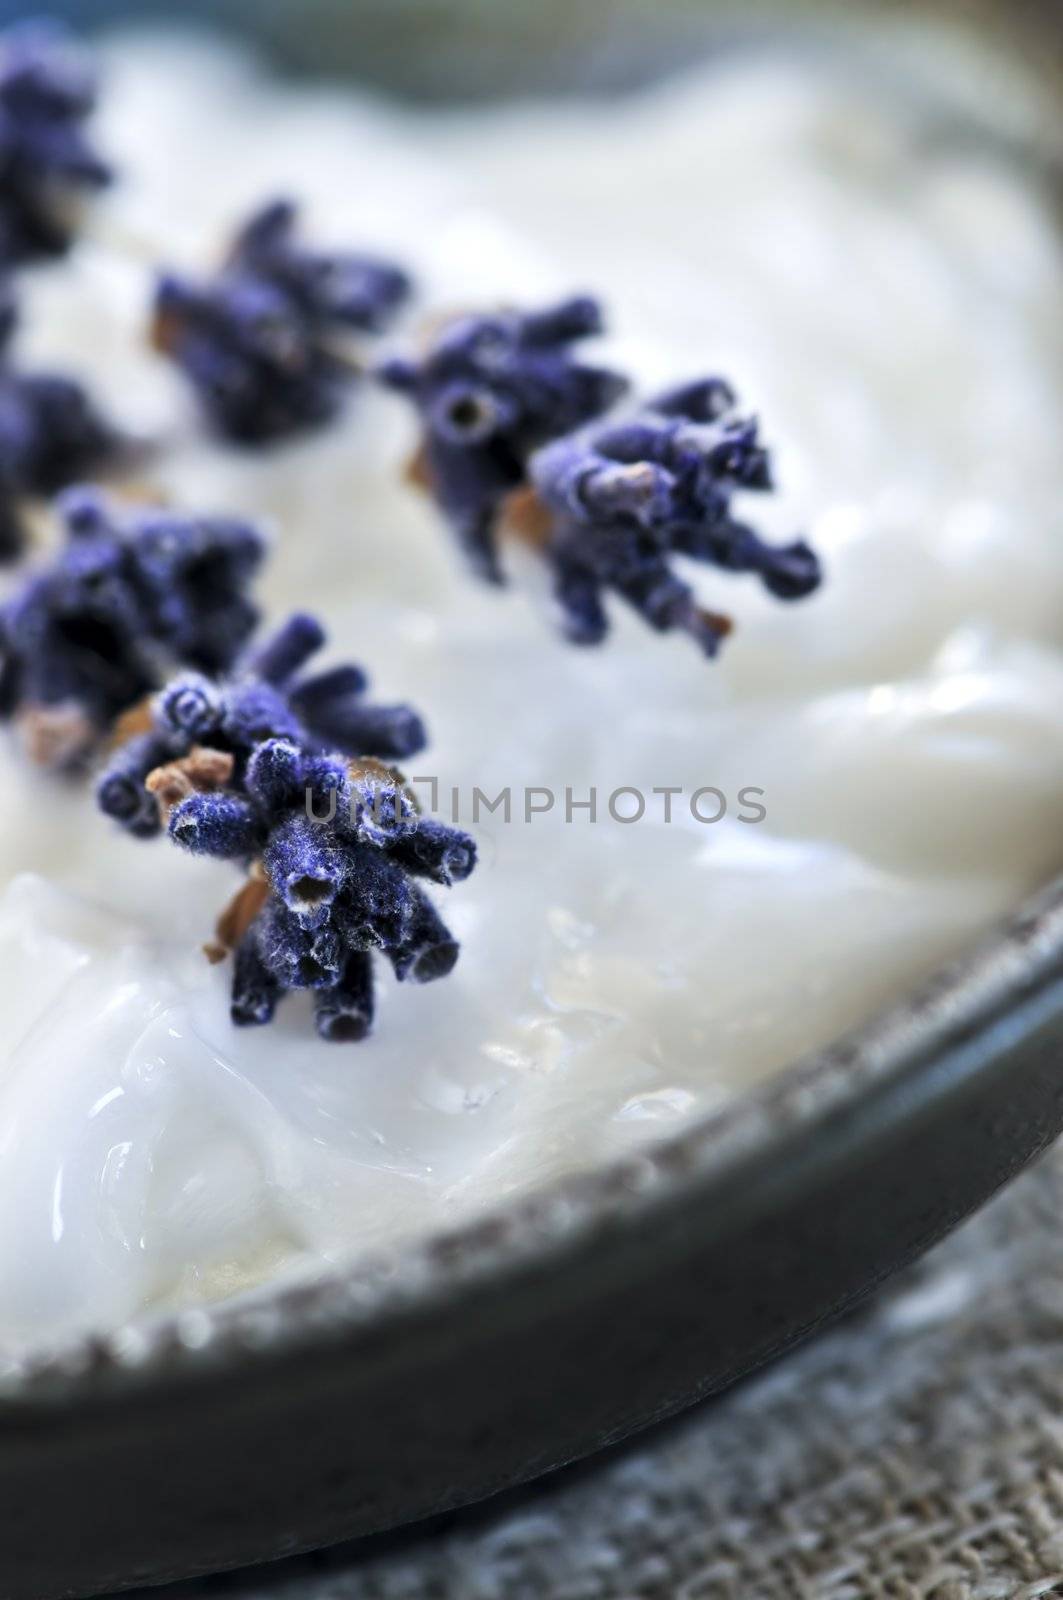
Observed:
{"x":259,"y":341}
{"x":335,"y":846}
{"x":51,"y":435}
{"x":489,"y":390}
{"x":626,"y":497}
{"x":129,"y":596}
{"x":47,"y":92}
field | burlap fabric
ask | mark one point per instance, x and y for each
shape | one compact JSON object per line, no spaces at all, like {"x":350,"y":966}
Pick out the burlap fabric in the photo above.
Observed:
{"x":915,"y":1452}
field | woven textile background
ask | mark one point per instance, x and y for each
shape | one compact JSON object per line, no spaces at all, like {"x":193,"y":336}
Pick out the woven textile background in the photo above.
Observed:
{"x":914,"y":1452}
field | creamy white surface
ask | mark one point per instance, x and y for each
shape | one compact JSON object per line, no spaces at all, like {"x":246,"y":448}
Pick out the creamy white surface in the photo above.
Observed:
{"x":892,"y":307}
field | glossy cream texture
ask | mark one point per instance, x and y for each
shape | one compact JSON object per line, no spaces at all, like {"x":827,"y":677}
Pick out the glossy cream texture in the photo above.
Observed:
{"x":889,"y":300}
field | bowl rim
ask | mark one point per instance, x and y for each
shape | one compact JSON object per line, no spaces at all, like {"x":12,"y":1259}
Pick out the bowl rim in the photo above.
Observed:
{"x":1016,"y":961}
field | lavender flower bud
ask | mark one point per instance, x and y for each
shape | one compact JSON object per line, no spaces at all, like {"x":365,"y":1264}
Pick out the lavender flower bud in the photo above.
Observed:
{"x":304,"y":867}
{"x":190,"y":706}
{"x":343,"y":1013}
{"x":391,"y":732}
{"x":430,"y":849}
{"x":255,"y":990}
{"x":332,"y":709}
{"x":381,"y":809}
{"x":375,"y":907}
{"x":47,"y":92}
{"x":253,"y":711}
{"x":276,"y":774}
{"x":315,"y":694}
{"x":289,"y":649}
{"x":300,"y":955}
{"x":215,"y":824}
{"x":428,"y":950}
{"x":326,"y":786}
{"x":577,"y":318}
{"x":121,"y":792}
{"x":703,"y":400}
{"x":50,"y":434}
{"x":469,"y":414}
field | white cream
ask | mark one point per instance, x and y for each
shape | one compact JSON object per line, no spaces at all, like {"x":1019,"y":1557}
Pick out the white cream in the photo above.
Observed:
{"x":892,"y":309}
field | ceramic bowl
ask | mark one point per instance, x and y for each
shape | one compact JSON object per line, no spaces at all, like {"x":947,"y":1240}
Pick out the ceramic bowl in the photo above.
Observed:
{"x":404,"y":1386}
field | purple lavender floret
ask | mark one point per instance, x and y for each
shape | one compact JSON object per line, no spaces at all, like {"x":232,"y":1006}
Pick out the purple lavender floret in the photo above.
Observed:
{"x":47,"y":92}
{"x":337,"y":844}
{"x":51,"y":435}
{"x":261,"y":341}
{"x":628,"y":496}
{"x":127,"y":598}
{"x":489,"y":390}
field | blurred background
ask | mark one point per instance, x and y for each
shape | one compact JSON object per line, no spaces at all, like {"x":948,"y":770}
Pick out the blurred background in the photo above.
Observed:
{"x":440,"y":49}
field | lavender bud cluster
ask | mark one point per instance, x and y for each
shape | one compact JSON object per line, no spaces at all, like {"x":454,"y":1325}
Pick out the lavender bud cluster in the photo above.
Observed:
{"x":269,"y":769}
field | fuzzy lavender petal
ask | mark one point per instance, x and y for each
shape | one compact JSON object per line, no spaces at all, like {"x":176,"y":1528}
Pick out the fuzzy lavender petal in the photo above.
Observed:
{"x":428,"y":950}
{"x":304,"y":867}
{"x":120,"y":791}
{"x":276,"y":774}
{"x":433,"y":850}
{"x":215,"y":824}
{"x":255,"y":990}
{"x":391,"y":732}
{"x":289,"y":649}
{"x":343,"y":1014}
{"x":190,"y":706}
